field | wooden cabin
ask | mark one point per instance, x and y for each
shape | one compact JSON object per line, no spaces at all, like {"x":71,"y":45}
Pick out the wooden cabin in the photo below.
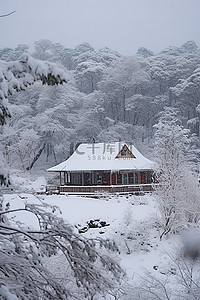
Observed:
{"x":111,"y":167}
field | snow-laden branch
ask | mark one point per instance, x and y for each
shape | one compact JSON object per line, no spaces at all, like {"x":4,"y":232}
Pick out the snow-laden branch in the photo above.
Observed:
{"x":18,"y":75}
{"x":25,"y":250}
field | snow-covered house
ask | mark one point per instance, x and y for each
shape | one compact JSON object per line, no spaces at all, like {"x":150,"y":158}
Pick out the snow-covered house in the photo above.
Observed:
{"x":112,"y":167}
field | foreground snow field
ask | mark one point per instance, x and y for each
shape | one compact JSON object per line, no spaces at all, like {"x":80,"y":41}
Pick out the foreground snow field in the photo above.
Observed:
{"x":155,"y":269}
{"x":129,"y":220}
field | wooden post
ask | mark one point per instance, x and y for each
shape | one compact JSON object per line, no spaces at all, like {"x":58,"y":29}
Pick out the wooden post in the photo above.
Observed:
{"x":64,"y":178}
{"x":60,"y":178}
{"x":82,"y":179}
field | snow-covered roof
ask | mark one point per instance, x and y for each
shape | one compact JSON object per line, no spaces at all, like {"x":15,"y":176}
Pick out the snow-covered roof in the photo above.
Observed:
{"x":104,"y":156}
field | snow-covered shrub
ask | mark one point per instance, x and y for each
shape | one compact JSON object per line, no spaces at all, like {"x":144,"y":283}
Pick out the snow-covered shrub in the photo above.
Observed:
{"x":135,"y":236}
{"x":181,"y":282}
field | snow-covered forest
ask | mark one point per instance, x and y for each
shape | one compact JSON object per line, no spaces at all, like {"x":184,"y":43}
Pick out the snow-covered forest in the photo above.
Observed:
{"x":107,"y":97}
{"x":53,"y":98}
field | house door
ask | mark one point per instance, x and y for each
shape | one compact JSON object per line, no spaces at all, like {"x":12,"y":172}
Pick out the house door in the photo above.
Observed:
{"x":143,"y":177}
{"x":114,"y":178}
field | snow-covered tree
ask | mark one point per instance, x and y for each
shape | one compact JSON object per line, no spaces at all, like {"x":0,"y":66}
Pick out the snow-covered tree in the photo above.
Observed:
{"x":87,"y":75}
{"x":120,"y":82}
{"x":144,"y":52}
{"x":108,"y":56}
{"x":82,"y":53}
{"x":66,"y":57}
{"x":42,"y":49}
{"x":17,"y":75}
{"x":162,"y":70}
{"x":21,"y":146}
{"x":188,"y":93}
{"x":52,"y":112}
{"x":9,"y":54}
{"x":189,"y":47}
{"x":176,"y":183}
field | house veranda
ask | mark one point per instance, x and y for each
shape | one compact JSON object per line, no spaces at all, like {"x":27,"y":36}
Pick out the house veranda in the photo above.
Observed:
{"x":110,"y":167}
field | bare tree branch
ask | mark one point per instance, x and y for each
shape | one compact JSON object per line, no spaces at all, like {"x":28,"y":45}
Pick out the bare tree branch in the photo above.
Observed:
{"x":6,"y":15}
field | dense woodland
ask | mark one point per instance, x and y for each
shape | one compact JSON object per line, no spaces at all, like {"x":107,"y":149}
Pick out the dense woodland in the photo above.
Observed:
{"x":107,"y":97}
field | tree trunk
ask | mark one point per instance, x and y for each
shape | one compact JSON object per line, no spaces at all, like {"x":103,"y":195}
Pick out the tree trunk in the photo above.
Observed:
{"x":124,"y":107}
{"x":35,"y":158}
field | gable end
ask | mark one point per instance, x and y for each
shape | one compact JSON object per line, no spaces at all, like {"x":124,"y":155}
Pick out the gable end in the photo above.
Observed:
{"x":125,"y":153}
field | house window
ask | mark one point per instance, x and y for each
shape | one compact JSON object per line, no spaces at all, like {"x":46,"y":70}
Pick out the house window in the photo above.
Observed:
{"x":99,"y":178}
{"x":76,"y":179}
{"x":125,"y":178}
{"x":130,"y":178}
{"x":96,"y":178}
{"x":119,"y":178}
{"x":149,"y":177}
{"x":105,"y":178}
{"x":123,"y":152}
{"x":136,"y":178}
{"x":87,"y":178}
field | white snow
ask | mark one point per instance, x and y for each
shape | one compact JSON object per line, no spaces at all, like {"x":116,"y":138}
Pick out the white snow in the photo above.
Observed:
{"x":102,"y":156}
{"x":4,"y":292}
{"x":28,"y":184}
{"x":148,"y":253}
{"x":112,"y":209}
{"x":21,"y":217}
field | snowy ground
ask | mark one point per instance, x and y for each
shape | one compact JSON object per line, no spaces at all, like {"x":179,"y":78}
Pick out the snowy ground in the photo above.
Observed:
{"x":125,"y":216}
